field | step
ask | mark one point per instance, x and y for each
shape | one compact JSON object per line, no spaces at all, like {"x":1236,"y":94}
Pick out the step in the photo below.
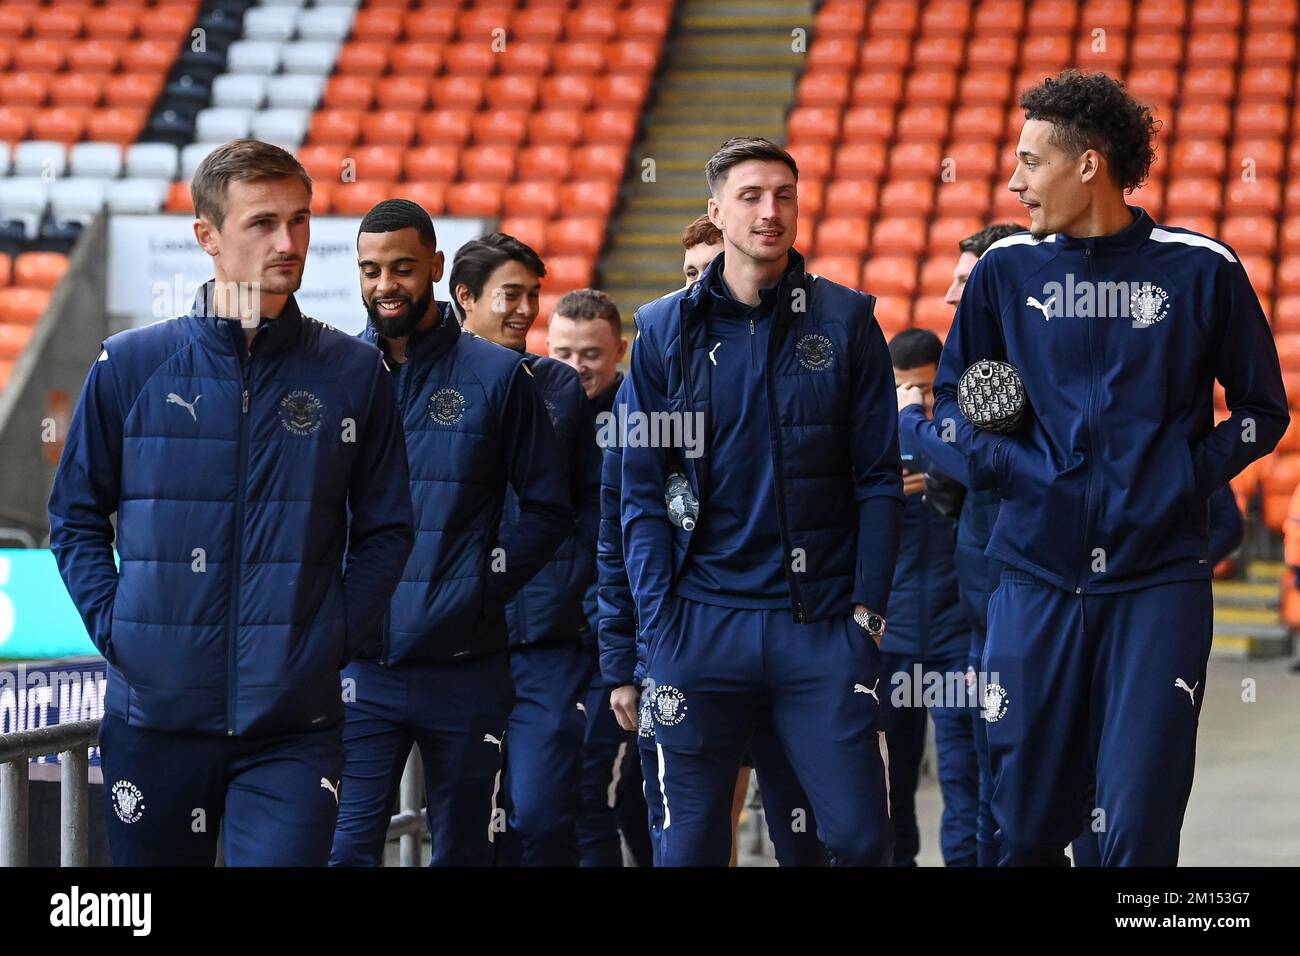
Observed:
{"x":653,"y":201}
{"x":1247,"y":616}
{"x":1246,"y":593}
{"x":652,"y":222}
{"x":693,"y":129}
{"x":692,"y":81}
{"x":720,"y":60}
{"x":614,"y":278}
{"x":1246,"y":646}
{"x":1262,"y":571}
{"x":642,"y":244}
{"x":766,"y":42}
{"x":680,"y":99}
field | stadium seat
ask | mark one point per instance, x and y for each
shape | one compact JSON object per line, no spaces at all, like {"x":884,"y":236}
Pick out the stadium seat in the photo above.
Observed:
{"x":898,"y":234}
{"x":841,"y":236}
{"x":890,"y":275}
{"x":877,"y":88}
{"x":845,"y":197}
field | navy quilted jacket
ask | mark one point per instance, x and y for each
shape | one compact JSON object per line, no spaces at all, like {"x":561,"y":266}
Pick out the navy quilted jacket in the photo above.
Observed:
{"x":238,"y":483}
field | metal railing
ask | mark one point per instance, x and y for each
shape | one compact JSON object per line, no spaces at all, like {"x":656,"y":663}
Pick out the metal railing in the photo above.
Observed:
{"x":70,"y":742}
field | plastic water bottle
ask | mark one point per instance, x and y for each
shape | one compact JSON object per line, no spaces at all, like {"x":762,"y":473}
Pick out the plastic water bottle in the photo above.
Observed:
{"x":683,"y":506}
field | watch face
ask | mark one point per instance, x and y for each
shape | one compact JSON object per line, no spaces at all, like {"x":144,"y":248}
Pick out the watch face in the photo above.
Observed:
{"x":874,"y":622}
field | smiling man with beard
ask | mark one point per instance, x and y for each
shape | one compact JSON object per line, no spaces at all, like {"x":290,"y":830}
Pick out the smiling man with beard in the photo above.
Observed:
{"x":438,"y":674}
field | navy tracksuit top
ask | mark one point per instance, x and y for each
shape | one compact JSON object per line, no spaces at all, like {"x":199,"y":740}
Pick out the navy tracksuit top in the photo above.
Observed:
{"x":550,"y":606}
{"x":474,"y":423}
{"x":926,"y":621}
{"x":832,"y":439}
{"x":1106,"y":487}
{"x":736,"y":560}
{"x":238,"y":482}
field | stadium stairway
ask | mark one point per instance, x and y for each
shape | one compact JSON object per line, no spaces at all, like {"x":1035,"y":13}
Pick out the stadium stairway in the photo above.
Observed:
{"x":734,"y":52}
{"x":1247,"y":622}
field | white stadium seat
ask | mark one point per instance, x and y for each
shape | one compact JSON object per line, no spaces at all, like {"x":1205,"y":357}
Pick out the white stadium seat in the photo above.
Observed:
{"x":99,"y":160}
{"x":219,"y":125}
{"x":270,"y":23}
{"x":283,"y":127}
{"x":294,"y":91}
{"x":152,"y":160}
{"x":136,"y":196}
{"x":325,"y":23}
{"x":76,"y":199}
{"x":37,"y":157}
{"x":255,"y":56}
{"x":193,"y":154}
{"x":239,"y":90}
{"x":313,"y":57}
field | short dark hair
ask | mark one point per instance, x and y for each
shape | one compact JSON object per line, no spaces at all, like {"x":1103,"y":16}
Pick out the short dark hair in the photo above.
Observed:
{"x":590,"y":304}
{"x":701,"y":232}
{"x":1095,"y":111}
{"x":979,"y":242}
{"x":236,"y":161}
{"x":740,"y":149}
{"x":912,"y":348}
{"x":393,"y":215}
{"x":479,"y":258}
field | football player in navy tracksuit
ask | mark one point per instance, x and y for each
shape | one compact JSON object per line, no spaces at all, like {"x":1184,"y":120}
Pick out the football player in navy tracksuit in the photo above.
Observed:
{"x":438,"y":673}
{"x":245,"y":448}
{"x":585,"y":332}
{"x":777,"y":393}
{"x":927,"y":647}
{"x":496,"y":281}
{"x":1100,"y":629}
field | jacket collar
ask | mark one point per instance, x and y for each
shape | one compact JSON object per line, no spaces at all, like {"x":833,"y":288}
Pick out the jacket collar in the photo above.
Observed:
{"x":1126,"y":240}
{"x":279,"y":335}
{"x":425,"y":346}
{"x":604,"y":402}
{"x":698,"y":300}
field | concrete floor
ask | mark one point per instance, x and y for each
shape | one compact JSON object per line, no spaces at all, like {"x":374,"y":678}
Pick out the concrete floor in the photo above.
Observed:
{"x":1245,"y":804}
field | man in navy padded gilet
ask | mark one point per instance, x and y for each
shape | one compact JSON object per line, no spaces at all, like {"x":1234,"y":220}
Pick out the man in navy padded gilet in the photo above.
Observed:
{"x":497,"y":283}
{"x":439,"y":674}
{"x":780,"y":389}
{"x":1100,"y":629}
{"x":245,"y":449}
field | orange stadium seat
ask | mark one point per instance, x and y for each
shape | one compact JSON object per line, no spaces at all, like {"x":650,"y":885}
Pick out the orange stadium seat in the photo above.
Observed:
{"x":932,"y":87}
{"x":429,"y":194}
{"x":391,"y":127}
{"x":991,"y":52}
{"x":501,"y":127}
{"x":544,"y":162}
{"x":1264,"y":196}
{"x":883,"y":53}
{"x":1275,"y":48}
{"x":525,"y":59}
{"x":824,"y":89}
{"x":1271,"y":13}
{"x":578,"y":236}
{"x":349,"y":92}
{"x":907,"y":197}
{"x":416,"y":58}
{"x":898,"y":235}
{"x":842,"y":236}
{"x":436,"y":162}
{"x":569,"y":272}
{"x":1250,"y":234}
{"x":963,"y":197}
{"x":400,"y":93}
{"x":936,"y":276}
{"x":846,"y":197}
{"x":981,"y":123}
{"x":945,"y":18}
{"x":531,"y":199}
{"x":985,"y":88}
{"x":23,"y":305}
{"x":859,"y":160}
{"x":513,"y":91}
{"x":999,"y":17}
{"x":444,"y":126}
{"x":489,"y":164}
{"x":890,"y":275}
{"x":939,"y":53}
{"x":364,"y":58}
{"x":39,"y":270}
{"x":555,"y":126}
{"x":457,"y":92}
{"x":841,"y":19}
{"x":530,"y":230}
{"x":834,"y":55}
{"x":814,"y":125}
{"x":846,"y":270}
{"x":538,"y":23}
{"x":1157,"y":50}
{"x":358,"y":198}
{"x":893,"y":312}
{"x":1052,"y":16}
{"x":946,"y":233}
{"x":474,"y":199}
{"x":893,"y":18}
{"x":877,"y":88}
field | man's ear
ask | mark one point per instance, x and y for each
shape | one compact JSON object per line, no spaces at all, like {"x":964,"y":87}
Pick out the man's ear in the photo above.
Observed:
{"x":1090,"y":165}
{"x":439,"y":261}
{"x":206,"y":235}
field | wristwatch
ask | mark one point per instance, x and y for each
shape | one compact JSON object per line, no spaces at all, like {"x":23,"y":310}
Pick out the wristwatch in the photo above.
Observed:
{"x":870,"y":621}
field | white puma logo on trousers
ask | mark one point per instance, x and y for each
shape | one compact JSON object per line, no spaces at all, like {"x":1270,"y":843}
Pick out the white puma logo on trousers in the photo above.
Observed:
{"x":864,"y":689}
{"x":1191,"y":691}
{"x":332,"y":788}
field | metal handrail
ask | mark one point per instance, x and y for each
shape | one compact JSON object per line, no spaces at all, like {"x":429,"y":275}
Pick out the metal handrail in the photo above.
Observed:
{"x":70,"y":741}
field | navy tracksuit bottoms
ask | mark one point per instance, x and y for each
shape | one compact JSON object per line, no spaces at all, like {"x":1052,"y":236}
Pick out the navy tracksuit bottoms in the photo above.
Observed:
{"x":1076,"y":681}
{"x":544,"y":754}
{"x":605,"y":748}
{"x":954,"y":736}
{"x":166,"y":795}
{"x":456,"y":714}
{"x":718,"y":674}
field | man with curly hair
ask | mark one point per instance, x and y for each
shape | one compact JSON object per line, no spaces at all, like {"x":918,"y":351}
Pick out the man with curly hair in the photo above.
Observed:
{"x":1099,"y":631}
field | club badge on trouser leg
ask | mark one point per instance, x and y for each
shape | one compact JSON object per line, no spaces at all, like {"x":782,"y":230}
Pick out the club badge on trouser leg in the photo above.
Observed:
{"x":992,"y":396}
